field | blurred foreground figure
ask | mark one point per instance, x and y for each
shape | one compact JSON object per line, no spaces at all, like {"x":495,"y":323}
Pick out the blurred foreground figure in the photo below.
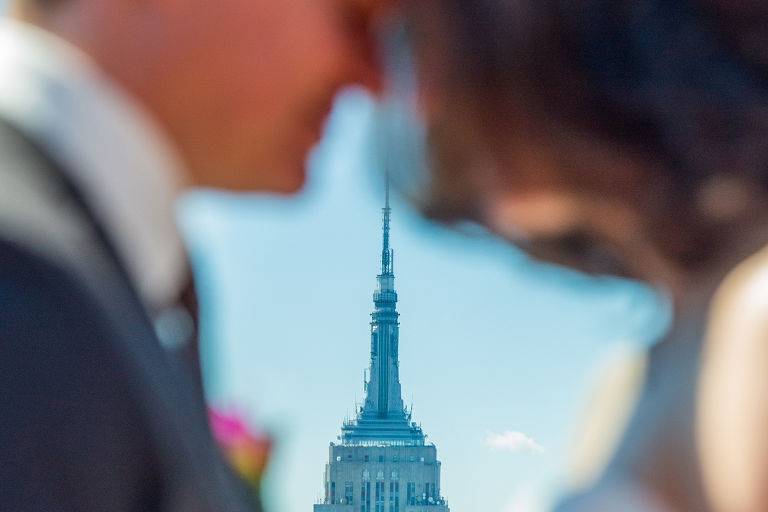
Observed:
{"x":628,"y":138}
{"x":108,"y":110}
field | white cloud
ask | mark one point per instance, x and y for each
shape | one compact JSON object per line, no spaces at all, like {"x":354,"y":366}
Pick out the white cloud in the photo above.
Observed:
{"x":511,"y":441}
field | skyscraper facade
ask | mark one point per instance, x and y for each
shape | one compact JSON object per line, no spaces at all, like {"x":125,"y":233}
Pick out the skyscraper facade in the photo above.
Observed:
{"x":382,"y":461}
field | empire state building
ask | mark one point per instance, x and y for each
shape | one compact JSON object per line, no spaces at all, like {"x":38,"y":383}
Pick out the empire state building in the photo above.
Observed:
{"x":382,"y":461}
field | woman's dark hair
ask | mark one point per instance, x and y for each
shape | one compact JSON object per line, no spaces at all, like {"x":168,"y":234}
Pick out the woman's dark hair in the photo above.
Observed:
{"x":684,"y":83}
{"x":685,"y":80}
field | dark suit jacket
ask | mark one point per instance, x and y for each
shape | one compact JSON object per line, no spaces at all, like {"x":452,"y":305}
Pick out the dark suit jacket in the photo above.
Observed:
{"x":94,"y":414}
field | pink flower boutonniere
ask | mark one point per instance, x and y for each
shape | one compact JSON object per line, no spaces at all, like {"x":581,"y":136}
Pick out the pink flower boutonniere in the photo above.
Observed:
{"x":245,"y":449}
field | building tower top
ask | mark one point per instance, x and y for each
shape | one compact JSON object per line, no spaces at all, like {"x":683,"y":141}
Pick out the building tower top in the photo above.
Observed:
{"x":382,"y":462}
{"x":383,"y":418}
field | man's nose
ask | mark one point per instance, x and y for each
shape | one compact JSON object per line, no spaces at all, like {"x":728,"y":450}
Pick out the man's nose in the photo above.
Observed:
{"x":364,"y":22}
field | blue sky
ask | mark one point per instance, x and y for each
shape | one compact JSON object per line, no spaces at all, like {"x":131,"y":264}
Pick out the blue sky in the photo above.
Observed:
{"x":490,"y":342}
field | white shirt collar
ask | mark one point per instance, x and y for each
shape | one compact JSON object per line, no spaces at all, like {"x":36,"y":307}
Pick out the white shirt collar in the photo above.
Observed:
{"x":118,"y":157}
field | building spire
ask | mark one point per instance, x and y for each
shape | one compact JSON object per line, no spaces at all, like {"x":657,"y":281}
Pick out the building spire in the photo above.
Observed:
{"x":387,"y":254}
{"x":383,"y":416}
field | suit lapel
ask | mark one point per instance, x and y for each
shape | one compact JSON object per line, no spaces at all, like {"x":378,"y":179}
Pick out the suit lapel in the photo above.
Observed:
{"x":42,"y":210}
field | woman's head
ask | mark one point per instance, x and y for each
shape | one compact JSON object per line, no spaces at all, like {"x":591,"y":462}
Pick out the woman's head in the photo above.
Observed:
{"x":603,"y":134}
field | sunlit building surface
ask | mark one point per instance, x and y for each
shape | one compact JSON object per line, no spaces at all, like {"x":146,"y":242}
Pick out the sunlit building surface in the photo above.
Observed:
{"x":382,"y":461}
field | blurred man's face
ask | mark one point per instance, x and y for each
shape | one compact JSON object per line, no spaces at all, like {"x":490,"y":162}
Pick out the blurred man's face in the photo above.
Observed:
{"x":243,"y":87}
{"x":251,"y":82}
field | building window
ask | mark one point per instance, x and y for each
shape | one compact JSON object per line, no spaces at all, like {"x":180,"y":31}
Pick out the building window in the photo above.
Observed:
{"x":367,"y":458}
{"x":411,"y":493}
{"x":379,"y":497}
{"x":381,"y":458}
{"x":394,"y":496}
{"x":429,"y":492}
{"x":333,"y":493}
{"x":365,"y":497}
{"x":348,"y":493}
